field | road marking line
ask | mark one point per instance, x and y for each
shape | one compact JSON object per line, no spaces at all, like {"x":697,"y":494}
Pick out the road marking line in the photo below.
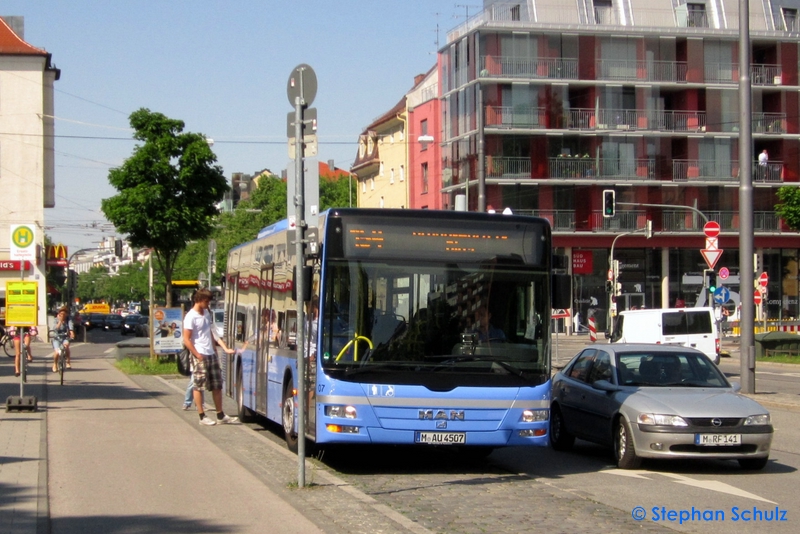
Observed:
{"x":711,"y":485}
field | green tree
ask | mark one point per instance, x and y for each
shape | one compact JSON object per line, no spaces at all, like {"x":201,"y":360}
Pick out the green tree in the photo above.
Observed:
{"x":789,"y":207}
{"x":336,"y":192}
{"x":168,"y":190}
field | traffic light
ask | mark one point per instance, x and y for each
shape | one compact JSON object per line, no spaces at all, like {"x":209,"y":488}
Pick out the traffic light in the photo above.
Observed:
{"x":118,"y":248}
{"x":609,"y":203}
{"x":609,"y":286}
{"x":711,"y":280}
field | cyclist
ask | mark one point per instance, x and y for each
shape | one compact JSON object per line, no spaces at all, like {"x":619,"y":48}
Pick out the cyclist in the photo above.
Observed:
{"x":14,"y":334}
{"x":64,"y":332}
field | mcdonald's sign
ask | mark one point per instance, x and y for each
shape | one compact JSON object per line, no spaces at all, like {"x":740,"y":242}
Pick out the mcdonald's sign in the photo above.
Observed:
{"x":57,"y":255}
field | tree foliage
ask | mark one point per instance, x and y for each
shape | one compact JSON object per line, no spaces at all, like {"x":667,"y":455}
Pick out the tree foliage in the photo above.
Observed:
{"x":265,"y":206}
{"x":789,"y":207}
{"x":168,"y":189}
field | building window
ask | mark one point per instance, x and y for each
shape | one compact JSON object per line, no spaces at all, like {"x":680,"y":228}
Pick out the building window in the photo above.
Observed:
{"x":424,"y":178}
{"x":364,"y":186}
{"x":696,"y":16}
{"x":391,"y":175}
{"x":402,"y":173}
{"x":372,"y":184}
{"x":790,"y":22}
{"x":515,"y":13}
{"x":423,"y":131}
{"x":604,"y":12}
{"x":381,"y":169}
{"x":381,"y":201}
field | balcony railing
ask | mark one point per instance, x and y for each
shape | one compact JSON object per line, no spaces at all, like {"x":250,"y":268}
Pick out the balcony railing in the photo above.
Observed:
{"x":516,"y":117}
{"x":528,"y":68}
{"x":636,"y":119}
{"x":729,"y":73}
{"x":600,"y":168}
{"x":634,"y":70}
{"x":502,"y":167}
{"x":685,"y":170}
{"x":672,"y":221}
{"x":769,"y":123}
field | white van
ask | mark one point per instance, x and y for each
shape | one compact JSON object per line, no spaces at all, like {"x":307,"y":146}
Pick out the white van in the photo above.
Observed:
{"x":689,"y":327}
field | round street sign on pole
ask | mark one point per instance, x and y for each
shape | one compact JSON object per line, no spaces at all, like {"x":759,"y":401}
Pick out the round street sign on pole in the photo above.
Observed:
{"x":757,"y":297}
{"x":711,"y":229}
{"x":306,"y":90}
{"x":763,"y":280}
{"x":724,"y":273}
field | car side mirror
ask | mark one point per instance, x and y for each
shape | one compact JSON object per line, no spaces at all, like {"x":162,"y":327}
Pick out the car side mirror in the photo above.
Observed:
{"x":736,"y":386}
{"x":604,"y":385}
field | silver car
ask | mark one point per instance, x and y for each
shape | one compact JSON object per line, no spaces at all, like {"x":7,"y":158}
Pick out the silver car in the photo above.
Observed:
{"x":656,"y":401}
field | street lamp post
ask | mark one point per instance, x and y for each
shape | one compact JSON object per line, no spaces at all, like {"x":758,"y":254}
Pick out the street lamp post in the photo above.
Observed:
{"x":648,"y":231}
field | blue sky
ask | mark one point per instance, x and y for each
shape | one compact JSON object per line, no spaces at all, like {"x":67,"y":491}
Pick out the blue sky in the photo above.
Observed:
{"x":222,"y":68}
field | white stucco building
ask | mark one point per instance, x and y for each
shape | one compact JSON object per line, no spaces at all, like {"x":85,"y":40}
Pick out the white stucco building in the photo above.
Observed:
{"x":26,"y":152}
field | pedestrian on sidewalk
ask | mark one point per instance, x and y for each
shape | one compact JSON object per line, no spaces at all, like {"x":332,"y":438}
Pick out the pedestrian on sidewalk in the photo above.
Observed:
{"x":14,"y":334}
{"x":206,"y":372}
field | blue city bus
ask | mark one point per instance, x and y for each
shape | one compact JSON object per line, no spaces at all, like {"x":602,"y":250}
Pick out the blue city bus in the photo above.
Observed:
{"x":397,"y":349}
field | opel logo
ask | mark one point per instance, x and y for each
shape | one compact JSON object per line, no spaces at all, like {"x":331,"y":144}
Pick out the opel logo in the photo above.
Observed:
{"x":716,"y":421}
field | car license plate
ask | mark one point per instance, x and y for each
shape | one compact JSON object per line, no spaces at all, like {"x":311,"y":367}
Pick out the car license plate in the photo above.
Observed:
{"x":440,"y":438}
{"x":717,"y":440}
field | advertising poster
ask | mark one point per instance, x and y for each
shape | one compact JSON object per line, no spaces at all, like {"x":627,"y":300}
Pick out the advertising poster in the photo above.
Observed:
{"x":167,"y":330}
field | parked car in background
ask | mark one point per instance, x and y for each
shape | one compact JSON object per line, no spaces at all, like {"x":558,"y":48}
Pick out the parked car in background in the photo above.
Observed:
{"x":688,"y":327}
{"x":142,"y":329}
{"x":219,"y":321}
{"x":129,"y":323}
{"x":94,"y":320}
{"x":656,"y":401}
{"x":113,"y":322}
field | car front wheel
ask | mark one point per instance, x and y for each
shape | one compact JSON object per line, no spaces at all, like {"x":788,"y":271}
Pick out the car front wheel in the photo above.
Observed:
{"x":560,"y":439}
{"x":623,"y":446}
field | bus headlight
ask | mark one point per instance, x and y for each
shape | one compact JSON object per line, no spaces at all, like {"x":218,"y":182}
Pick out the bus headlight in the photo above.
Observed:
{"x":535,"y":416}
{"x":345,"y":412}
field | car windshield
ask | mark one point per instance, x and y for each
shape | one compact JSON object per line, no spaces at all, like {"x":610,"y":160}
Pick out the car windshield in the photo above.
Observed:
{"x":668,"y":369}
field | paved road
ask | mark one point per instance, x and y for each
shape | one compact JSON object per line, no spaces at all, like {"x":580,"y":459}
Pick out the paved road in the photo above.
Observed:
{"x":121,"y":450}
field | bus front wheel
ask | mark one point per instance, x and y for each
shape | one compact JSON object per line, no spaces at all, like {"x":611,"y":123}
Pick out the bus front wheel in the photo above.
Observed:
{"x":288,"y":418}
{"x":244,"y":413}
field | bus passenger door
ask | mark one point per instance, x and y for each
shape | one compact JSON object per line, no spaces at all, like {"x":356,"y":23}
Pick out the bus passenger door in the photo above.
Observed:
{"x":263,"y":336}
{"x":312,"y":309}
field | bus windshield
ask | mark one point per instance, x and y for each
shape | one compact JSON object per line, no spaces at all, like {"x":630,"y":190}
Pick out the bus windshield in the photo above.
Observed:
{"x":436,"y":325}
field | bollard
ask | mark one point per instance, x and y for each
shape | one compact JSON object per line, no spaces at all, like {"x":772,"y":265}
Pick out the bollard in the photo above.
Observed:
{"x":592,"y":330}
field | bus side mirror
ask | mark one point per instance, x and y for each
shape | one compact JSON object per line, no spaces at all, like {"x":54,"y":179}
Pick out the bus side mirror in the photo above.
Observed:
{"x":561,"y":292}
{"x":306,"y":273}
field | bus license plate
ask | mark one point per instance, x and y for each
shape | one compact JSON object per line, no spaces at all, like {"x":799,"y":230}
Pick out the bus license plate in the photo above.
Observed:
{"x":440,"y":438}
{"x":717,"y":440}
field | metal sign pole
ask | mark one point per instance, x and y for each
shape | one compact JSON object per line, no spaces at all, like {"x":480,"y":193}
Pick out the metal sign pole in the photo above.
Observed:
{"x":300,"y":285}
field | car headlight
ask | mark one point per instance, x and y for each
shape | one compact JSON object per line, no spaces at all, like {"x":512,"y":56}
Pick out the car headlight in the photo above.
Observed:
{"x":661,"y":419}
{"x":761,"y":419}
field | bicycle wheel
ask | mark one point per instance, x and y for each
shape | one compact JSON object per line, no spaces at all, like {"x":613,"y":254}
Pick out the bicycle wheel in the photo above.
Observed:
{"x":61,"y":364}
{"x":8,"y":346}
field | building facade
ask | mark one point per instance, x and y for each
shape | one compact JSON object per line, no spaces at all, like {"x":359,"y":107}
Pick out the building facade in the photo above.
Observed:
{"x":424,"y":138}
{"x":547,"y":103}
{"x":26,"y":153}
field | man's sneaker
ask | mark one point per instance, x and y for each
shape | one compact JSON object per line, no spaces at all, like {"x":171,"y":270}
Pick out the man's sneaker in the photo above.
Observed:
{"x":186,"y":406}
{"x":228,"y":420}
{"x":207,"y":421}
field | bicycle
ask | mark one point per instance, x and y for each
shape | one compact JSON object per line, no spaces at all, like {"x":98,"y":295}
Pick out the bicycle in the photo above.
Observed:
{"x":7,"y":343}
{"x":61,"y":363}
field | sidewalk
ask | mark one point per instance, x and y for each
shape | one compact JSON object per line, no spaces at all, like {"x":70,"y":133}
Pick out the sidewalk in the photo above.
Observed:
{"x":102,"y":455}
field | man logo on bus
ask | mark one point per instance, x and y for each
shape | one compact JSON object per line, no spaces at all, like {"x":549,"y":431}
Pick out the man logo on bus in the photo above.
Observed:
{"x":454,"y":415}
